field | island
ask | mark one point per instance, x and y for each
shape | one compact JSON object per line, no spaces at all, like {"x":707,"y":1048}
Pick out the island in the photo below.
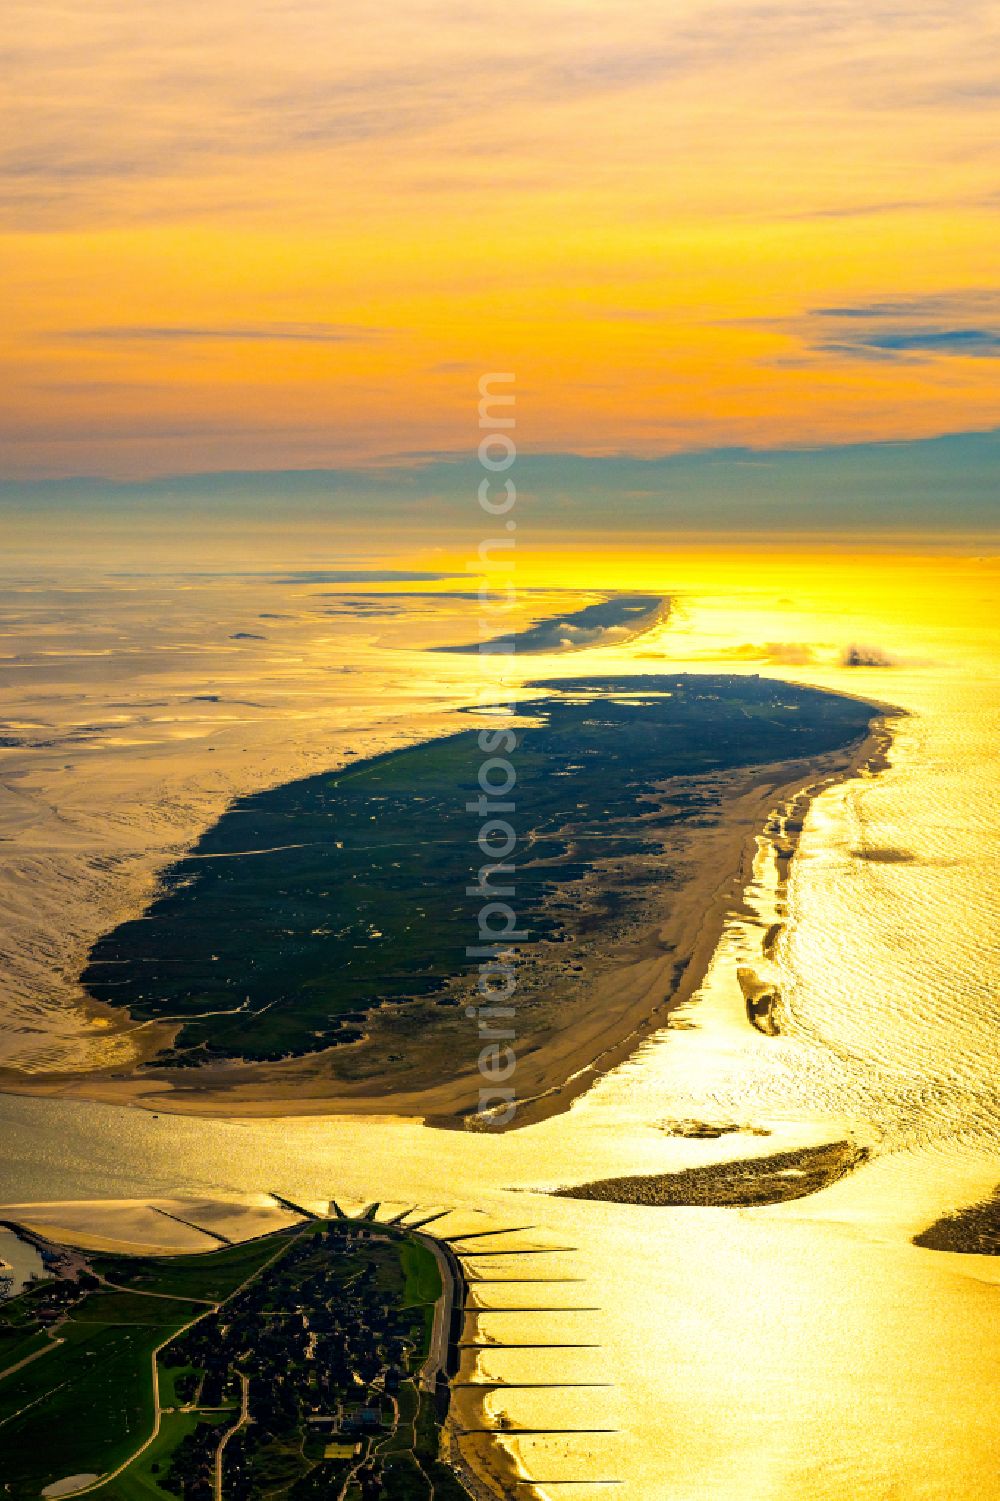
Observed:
{"x":309,"y":1363}
{"x":608,"y":622}
{"x":313,"y":945}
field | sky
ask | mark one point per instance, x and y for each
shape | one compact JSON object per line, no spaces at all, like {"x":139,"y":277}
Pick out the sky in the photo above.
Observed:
{"x":291,"y":236}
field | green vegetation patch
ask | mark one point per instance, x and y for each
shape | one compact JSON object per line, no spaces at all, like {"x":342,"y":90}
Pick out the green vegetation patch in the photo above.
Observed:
{"x":19,"y":1344}
{"x":208,"y":1275}
{"x":146,"y":1478}
{"x":83,"y":1409}
{"x":422,"y":1278}
{"x":321,"y":1330}
{"x":308,"y":905}
{"x":133,"y":1308}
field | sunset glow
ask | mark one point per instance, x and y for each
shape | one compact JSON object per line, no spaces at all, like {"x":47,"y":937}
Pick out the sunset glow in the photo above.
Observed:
{"x":283,"y":236}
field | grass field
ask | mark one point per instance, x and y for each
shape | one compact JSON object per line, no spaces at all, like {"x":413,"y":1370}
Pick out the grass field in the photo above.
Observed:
{"x":87,"y":1404}
{"x":85,"y":1407}
{"x":142,"y":1480}
{"x":17,"y":1345}
{"x":422,"y":1279}
{"x":210,"y":1275}
{"x":134,"y":1308}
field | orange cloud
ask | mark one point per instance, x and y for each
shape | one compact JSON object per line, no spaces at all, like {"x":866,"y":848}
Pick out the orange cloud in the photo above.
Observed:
{"x":633,"y":212}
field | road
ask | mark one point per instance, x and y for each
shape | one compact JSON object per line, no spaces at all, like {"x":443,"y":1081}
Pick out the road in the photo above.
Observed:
{"x":54,"y":1344}
{"x":437,"y":1356}
{"x":241,"y":1422}
{"x":113,"y":1474}
{"x":95,"y":1485}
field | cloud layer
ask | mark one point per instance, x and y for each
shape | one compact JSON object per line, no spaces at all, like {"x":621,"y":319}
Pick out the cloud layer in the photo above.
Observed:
{"x":292,"y":235}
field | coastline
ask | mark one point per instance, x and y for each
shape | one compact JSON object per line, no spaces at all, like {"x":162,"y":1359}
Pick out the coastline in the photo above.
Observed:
{"x":623,"y":1006}
{"x":489,"y":1476}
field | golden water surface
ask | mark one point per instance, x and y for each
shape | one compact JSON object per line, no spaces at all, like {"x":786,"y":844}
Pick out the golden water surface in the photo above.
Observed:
{"x":801,"y":1352}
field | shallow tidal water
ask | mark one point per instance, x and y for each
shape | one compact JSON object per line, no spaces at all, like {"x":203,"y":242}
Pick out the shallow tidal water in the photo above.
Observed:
{"x":801,"y":1352}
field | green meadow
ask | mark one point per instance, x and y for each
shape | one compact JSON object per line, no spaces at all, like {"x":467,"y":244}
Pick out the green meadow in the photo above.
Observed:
{"x":307,"y":905}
